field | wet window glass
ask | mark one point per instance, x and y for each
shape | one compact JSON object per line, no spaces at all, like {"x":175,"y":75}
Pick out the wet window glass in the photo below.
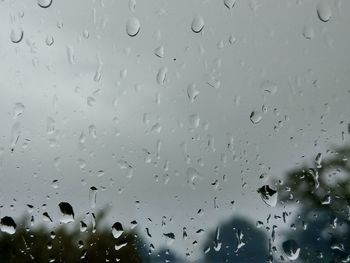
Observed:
{"x":174,"y":131}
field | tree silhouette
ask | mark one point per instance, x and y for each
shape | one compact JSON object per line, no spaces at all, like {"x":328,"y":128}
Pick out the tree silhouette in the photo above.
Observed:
{"x":236,"y":240}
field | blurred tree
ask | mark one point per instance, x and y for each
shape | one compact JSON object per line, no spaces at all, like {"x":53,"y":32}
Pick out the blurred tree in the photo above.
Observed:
{"x":60,"y":245}
{"x":322,"y":196}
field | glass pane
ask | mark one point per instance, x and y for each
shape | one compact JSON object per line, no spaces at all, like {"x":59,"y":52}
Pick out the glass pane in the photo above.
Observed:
{"x":174,"y":131}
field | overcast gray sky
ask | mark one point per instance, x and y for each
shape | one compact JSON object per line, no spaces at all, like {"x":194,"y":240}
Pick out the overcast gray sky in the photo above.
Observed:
{"x":77,"y":73}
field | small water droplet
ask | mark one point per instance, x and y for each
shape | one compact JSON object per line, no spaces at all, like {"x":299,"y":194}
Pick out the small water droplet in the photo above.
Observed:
{"x":44,"y":3}
{"x":268,"y":195}
{"x":255,"y":117}
{"x":159,"y":52}
{"x":16,"y":35}
{"x":197,"y":24}
{"x":318,"y":160}
{"x":192,"y":92}
{"x":117,"y":229}
{"x":8,"y":225}
{"x":291,"y":249}
{"x":49,"y":40}
{"x":230,"y":3}
{"x":67,"y":213}
{"x":324,"y":11}
{"x":83,"y":226}
{"x":308,"y":32}
{"x":132,"y":5}
{"x":92,"y":196}
{"x":132,"y":26}
{"x":18,"y":110}
{"x":161,"y":76}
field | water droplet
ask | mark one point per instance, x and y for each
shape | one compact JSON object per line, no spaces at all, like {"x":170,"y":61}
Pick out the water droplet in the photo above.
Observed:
{"x":132,"y":5}
{"x":161,"y":76}
{"x":15,"y":134}
{"x":92,"y":196}
{"x":197,"y":24}
{"x":318,"y":160}
{"x":117,"y":230}
{"x":268,"y":195}
{"x":308,"y":32}
{"x":255,"y":117}
{"x":18,"y":110}
{"x":16,"y":34}
{"x":230,"y":3}
{"x":132,"y":26}
{"x":49,"y":40}
{"x":70,"y":55}
{"x":46,"y":217}
{"x":8,"y":225}
{"x":67,"y":213}
{"x":44,"y":3}
{"x":192,"y":92}
{"x":324,"y":11}
{"x":54,"y":184}
{"x":291,"y":249}
{"x":240,"y":243}
{"x":159,"y":52}
{"x":83,"y":226}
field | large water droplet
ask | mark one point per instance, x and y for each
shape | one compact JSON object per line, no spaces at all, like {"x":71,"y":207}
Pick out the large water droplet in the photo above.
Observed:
{"x":8,"y":225}
{"x":132,"y":26}
{"x":324,"y":11}
{"x":44,"y":3}
{"x":117,"y":229}
{"x":197,"y":24}
{"x":67,"y":213}
{"x":16,"y":35}
{"x":268,"y":195}
{"x":291,"y":249}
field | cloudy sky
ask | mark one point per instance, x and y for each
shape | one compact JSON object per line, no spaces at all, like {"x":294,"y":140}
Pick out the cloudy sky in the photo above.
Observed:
{"x":160,"y":122}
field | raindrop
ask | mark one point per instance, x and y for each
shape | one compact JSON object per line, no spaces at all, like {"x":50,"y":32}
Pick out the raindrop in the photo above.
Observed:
{"x":15,"y":134}
{"x":318,"y":160}
{"x":44,"y":3}
{"x":16,"y":35}
{"x":161,"y":76}
{"x":229,"y":3}
{"x":308,"y":32}
{"x":70,"y":55}
{"x":67,"y":214}
{"x":83,"y":226}
{"x":240,"y":243}
{"x":8,"y":225}
{"x":46,"y":217}
{"x":255,"y":117}
{"x":324,"y":11}
{"x":132,"y":5}
{"x":18,"y":110}
{"x":268,"y":195}
{"x":117,"y":230}
{"x":49,"y":40}
{"x":92,"y":196}
{"x":132,"y":26}
{"x":192,"y":92}
{"x":159,"y":52}
{"x":291,"y":249}
{"x":197,"y":24}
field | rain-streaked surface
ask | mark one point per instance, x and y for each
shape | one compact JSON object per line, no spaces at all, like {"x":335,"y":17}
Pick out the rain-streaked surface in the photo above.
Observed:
{"x":174,"y":131}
